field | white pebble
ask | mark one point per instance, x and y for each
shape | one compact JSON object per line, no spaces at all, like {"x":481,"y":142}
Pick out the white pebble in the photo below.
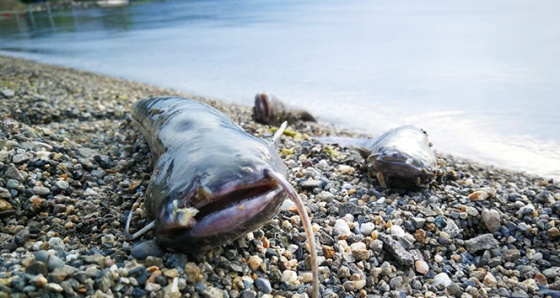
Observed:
{"x":289,"y":276}
{"x":344,"y":169}
{"x":358,"y":245}
{"x":489,"y":279}
{"x":152,"y":287}
{"x":422,"y":267}
{"x":441,"y":279}
{"x":37,"y":245}
{"x":367,"y":228}
{"x":359,"y":284}
{"x":90,"y":192}
{"x":397,"y":231}
{"x":341,"y":226}
{"x":53,"y":287}
{"x":287,"y":204}
{"x":322,"y":165}
{"x":307,"y":277}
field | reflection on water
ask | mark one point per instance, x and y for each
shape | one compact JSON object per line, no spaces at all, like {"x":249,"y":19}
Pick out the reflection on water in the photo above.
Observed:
{"x":38,"y":24}
{"x":480,"y":76}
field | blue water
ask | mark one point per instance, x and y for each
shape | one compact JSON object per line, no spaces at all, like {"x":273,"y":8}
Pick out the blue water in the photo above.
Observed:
{"x":482,"y":77}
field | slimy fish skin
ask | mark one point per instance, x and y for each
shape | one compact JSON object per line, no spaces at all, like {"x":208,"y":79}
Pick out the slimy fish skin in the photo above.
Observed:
{"x":212,"y":182}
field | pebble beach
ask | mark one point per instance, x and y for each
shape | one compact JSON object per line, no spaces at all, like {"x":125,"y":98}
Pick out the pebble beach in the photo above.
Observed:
{"x":73,"y":165}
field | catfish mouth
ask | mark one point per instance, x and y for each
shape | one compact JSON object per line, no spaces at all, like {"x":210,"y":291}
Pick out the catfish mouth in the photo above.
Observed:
{"x":400,"y":165}
{"x":224,"y":216}
{"x":237,"y":196}
{"x":262,"y":107}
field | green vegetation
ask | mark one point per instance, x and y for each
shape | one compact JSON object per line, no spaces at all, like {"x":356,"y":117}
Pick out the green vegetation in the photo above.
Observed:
{"x":12,"y":5}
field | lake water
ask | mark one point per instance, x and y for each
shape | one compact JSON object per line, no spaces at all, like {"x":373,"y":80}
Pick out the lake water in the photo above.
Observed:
{"x":482,"y":77}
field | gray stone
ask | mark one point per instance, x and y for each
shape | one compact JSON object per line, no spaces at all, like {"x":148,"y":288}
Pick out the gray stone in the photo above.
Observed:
{"x":397,"y":250}
{"x":451,"y":228}
{"x":55,"y":262}
{"x":4,"y":193}
{"x":56,"y":243}
{"x":53,"y":287}
{"x":61,"y":184}
{"x":153,"y":261}
{"x":418,"y":222}
{"x":396,"y":282}
{"x":94,"y":259}
{"x":41,"y":190}
{"x":12,"y":183}
{"x":552,"y":272}
{"x":42,"y":256}
{"x":491,"y":219}
{"x":349,"y":208}
{"x":8,"y":92}
{"x":311,"y":184}
{"x":22,"y":157}
{"x":145,"y":249}
{"x":37,"y":268}
{"x":482,"y":242}
{"x":453,"y":289}
{"x":263,"y":285}
{"x":61,"y":273}
{"x":248,"y":294}
{"x":511,"y":255}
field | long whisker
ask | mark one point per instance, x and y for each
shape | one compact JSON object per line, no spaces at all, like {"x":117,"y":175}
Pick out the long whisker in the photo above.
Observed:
{"x":139,"y":233}
{"x":306,"y":226}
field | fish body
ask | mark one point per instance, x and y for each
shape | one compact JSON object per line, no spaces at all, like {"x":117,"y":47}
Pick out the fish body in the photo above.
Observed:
{"x":268,"y":109}
{"x":210,"y":183}
{"x":403,"y":153}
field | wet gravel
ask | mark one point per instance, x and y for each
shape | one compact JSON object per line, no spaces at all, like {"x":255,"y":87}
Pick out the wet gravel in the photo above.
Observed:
{"x":72,"y":165}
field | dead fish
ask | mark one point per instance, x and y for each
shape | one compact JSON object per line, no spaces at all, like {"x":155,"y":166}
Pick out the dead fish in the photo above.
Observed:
{"x":269,"y":109}
{"x":212,"y":182}
{"x":403,"y":153}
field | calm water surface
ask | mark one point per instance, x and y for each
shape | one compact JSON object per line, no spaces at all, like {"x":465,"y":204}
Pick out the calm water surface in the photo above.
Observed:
{"x":482,"y":77}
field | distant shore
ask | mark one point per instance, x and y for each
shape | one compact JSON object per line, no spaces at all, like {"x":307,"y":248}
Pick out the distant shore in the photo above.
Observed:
{"x":72,"y":165}
{"x":15,"y":6}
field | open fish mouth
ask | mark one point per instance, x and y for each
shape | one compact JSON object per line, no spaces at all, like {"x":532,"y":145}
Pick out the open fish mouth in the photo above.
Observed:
{"x":231,"y":215}
{"x":262,"y":107}
{"x":400,"y":165}
{"x":227,"y":215}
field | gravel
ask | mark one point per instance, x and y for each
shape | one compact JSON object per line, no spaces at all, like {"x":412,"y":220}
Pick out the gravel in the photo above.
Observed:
{"x":72,"y":165}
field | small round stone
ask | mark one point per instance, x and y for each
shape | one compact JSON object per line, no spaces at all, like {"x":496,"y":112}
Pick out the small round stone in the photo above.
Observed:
{"x":328,"y":251}
{"x":263,"y":285}
{"x":12,"y":183}
{"x":40,"y":281}
{"x":491,"y":219}
{"x":553,"y":232}
{"x":53,"y":287}
{"x":367,"y":228}
{"x":489,"y":279}
{"x":145,"y":249}
{"x":289,"y":276}
{"x":422,"y":267}
{"x":41,"y":190}
{"x":254,"y":262}
{"x":341,"y":226}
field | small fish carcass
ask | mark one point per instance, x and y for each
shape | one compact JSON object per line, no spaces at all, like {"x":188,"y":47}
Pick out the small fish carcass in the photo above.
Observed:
{"x":403,"y":153}
{"x":268,"y":109}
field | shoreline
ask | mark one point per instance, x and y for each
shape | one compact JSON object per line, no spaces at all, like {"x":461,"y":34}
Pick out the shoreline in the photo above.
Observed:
{"x":73,"y":165}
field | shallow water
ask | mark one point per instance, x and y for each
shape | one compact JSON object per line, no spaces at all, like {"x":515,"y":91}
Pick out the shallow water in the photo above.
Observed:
{"x":481,"y":77}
